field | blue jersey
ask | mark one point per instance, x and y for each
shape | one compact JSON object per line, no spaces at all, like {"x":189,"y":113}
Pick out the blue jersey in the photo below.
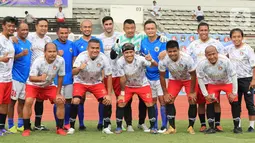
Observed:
{"x":155,"y":48}
{"x":68,"y":55}
{"x":81,"y":45}
{"x":21,"y":66}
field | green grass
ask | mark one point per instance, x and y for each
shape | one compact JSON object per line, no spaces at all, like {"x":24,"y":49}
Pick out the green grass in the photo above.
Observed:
{"x":94,"y":136}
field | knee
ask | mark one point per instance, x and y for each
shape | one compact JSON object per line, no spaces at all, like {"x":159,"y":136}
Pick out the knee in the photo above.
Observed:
{"x":29,"y":102}
{"x":251,"y":110}
{"x":76,"y":101}
{"x":60,"y":103}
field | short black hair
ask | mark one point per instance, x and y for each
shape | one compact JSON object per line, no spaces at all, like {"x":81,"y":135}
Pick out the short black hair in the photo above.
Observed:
{"x":9,"y":19}
{"x":18,"y":25}
{"x":203,"y":24}
{"x":149,"y":22}
{"x":26,"y":12}
{"x":128,"y":46}
{"x":94,"y":41}
{"x":62,"y":26}
{"x":129,"y":21}
{"x":106,"y":18}
{"x":40,"y":19}
{"x":45,"y":47}
{"x":172,"y":44}
{"x":235,"y":30}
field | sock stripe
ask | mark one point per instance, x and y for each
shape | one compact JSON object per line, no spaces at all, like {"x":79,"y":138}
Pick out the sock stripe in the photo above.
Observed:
{"x":192,"y":119}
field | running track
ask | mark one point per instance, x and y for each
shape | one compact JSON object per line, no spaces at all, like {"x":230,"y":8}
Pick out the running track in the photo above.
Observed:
{"x":181,"y":104}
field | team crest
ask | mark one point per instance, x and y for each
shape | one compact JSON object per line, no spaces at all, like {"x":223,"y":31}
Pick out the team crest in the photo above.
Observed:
{"x":71,"y":50}
{"x":220,"y":68}
{"x":241,"y":53}
{"x":156,"y":49}
{"x":54,"y":67}
{"x":226,"y":39}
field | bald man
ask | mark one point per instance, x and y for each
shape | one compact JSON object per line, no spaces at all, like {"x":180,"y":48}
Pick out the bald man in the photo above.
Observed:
{"x":216,"y":73}
{"x":20,"y":74}
{"x":80,"y":46}
{"x":40,"y":85}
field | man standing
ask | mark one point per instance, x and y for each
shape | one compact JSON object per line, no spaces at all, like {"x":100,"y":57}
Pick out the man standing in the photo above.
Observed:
{"x":134,"y":81}
{"x":87,"y":71}
{"x":197,"y":51}
{"x":182,"y":68}
{"x":243,"y":58}
{"x":6,"y":64}
{"x":20,"y":75}
{"x":217,"y":72}
{"x":80,"y":46}
{"x":40,"y":85}
{"x":65,"y":50}
{"x":152,"y":45}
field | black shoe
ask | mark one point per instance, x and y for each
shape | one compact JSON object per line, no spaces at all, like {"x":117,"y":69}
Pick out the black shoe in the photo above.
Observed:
{"x":250,"y":129}
{"x":210,"y":131}
{"x":99,"y":127}
{"x":82,"y":128}
{"x":40,"y":128}
{"x":238,"y":130}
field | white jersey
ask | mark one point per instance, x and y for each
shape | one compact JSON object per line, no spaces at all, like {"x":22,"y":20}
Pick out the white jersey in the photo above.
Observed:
{"x":243,"y":59}
{"x":92,"y":74}
{"x":134,"y":72}
{"x":6,"y":47}
{"x":108,"y":43}
{"x":180,"y":69}
{"x":219,"y":73}
{"x":37,"y":45}
{"x":197,"y":49}
{"x":199,"y":13}
{"x":60,"y":15}
{"x":41,"y":66}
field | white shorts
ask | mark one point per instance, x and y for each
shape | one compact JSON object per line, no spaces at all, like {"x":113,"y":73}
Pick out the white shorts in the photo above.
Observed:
{"x":156,"y":88}
{"x":67,"y":91}
{"x":18,"y":90}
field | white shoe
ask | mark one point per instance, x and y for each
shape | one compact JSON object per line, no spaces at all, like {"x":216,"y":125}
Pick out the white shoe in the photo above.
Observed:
{"x":110,"y":127}
{"x":70,"y":131}
{"x":144,"y":128}
{"x":107,"y":131}
{"x":130,"y":128}
{"x":161,"y":131}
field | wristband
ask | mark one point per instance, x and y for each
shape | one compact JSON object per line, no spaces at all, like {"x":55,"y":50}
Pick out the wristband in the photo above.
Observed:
{"x":122,"y":93}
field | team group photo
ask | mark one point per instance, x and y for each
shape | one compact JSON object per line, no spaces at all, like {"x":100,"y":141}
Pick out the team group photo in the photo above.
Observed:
{"x":135,"y":81}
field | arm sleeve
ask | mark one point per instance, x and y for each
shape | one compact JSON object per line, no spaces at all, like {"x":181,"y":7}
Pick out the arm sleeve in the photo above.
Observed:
{"x":61,"y":71}
{"x":202,"y":87}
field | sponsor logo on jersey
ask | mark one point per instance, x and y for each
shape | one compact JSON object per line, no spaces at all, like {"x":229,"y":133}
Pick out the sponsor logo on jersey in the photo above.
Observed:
{"x":156,"y":49}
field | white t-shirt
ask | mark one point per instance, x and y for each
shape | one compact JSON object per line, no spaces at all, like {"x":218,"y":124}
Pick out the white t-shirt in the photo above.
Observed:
{"x":134,"y":72}
{"x":37,"y":45}
{"x":108,"y":43}
{"x":41,"y":66}
{"x":243,"y":59}
{"x":156,"y":8}
{"x":196,"y":49}
{"x":92,"y":74}
{"x":199,"y":13}
{"x":219,"y":73}
{"x":6,"y":46}
{"x":60,"y":15}
{"x":180,"y":69}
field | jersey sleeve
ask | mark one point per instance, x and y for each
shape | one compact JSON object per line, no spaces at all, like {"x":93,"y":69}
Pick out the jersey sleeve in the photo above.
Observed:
{"x":200,"y":70}
{"x":61,"y":71}
{"x":34,"y":71}
{"x":191,"y":65}
{"x":120,"y":66}
{"x":162,"y":66}
{"x":107,"y":66}
{"x":251,"y":57}
{"x":78,"y":61}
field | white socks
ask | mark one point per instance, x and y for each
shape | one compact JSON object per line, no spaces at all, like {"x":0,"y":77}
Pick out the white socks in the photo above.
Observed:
{"x":252,"y":124}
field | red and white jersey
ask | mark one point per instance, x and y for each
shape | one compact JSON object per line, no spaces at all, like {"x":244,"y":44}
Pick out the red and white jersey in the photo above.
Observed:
{"x":243,"y":59}
{"x":196,"y":49}
{"x":219,"y":73}
{"x":135,"y":71}
{"x":92,"y":73}
{"x":6,"y":47}
{"x":180,"y":69}
{"x":41,"y":66}
{"x":108,"y":43}
{"x":37,"y":45}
